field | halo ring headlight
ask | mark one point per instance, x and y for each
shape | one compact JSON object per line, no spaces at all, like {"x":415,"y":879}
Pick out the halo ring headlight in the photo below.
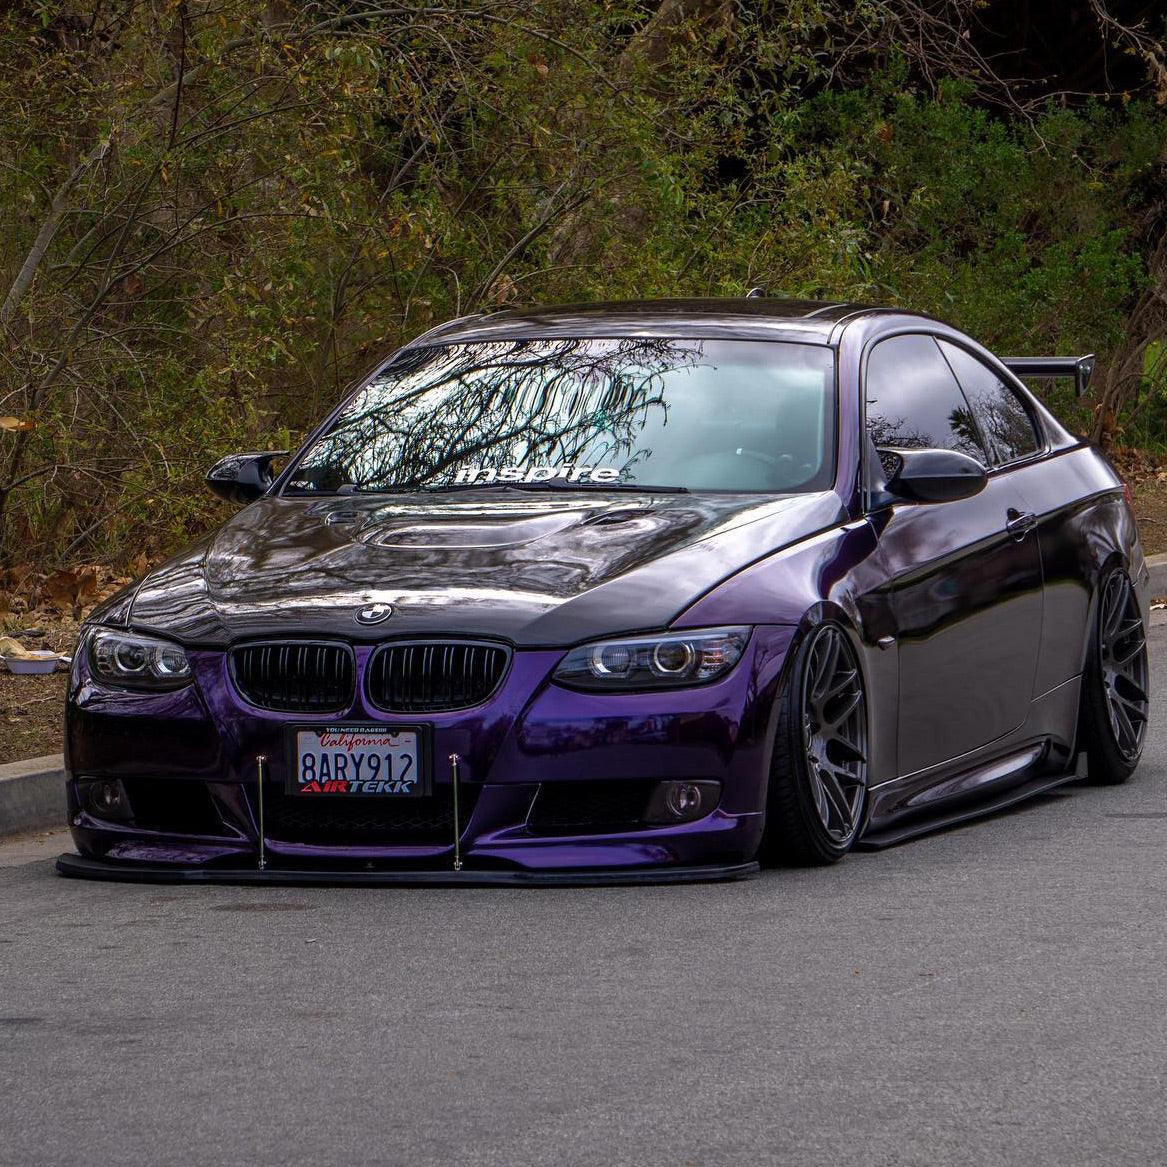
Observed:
{"x":133,"y":661}
{"x":673,"y":658}
{"x":668,"y":660}
{"x":610,"y":660}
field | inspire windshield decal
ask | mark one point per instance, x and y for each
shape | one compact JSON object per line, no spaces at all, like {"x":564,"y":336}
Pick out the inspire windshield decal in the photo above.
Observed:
{"x":568,"y":472}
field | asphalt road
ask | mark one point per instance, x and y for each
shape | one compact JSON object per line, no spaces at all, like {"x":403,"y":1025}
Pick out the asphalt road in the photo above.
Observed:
{"x":996,"y":994}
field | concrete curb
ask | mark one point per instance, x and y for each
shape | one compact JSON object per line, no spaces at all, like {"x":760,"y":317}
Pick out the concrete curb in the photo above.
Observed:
{"x":32,"y":795}
{"x":1157,"y":566}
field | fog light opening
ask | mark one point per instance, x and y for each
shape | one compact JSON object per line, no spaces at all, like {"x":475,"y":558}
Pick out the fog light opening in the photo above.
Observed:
{"x":106,"y":799}
{"x":681,"y":801}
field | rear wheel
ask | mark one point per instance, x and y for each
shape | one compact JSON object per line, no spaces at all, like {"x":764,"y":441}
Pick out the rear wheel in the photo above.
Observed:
{"x":1115,"y":691}
{"x":818,"y":777}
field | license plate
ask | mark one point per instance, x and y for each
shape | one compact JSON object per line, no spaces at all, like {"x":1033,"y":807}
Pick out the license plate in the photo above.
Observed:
{"x":357,"y":760}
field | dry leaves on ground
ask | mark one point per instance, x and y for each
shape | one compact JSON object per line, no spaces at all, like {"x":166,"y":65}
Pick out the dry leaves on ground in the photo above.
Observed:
{"x":69,"y":594}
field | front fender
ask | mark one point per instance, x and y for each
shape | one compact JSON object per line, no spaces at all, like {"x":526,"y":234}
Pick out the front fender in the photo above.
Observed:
{"x":840,"y":575}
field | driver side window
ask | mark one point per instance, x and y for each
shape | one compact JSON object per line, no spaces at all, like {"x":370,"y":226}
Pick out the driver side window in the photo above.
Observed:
{"x":913,"y":399}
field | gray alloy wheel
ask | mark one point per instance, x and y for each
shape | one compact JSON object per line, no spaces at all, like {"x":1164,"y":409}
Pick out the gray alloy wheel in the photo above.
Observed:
{"x":834,"y":729}
{"x":1122,"y":654}
{"x":818,"y":778}
{"x":1115,"y":687}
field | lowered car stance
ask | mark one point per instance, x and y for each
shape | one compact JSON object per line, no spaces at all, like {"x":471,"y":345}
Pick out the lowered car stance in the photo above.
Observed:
{"x":645,"y":591}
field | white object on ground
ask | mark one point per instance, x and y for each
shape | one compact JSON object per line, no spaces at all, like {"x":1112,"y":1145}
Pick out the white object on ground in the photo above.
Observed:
{"x":32,"y":661}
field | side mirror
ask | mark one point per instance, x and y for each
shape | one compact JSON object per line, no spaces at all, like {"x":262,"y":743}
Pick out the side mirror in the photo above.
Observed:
{"x":242,"y":478}
{"x":931,"y":475}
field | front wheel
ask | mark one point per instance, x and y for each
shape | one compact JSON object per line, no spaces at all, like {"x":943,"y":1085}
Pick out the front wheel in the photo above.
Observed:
{"x":1115,"y":699}
{"x":818,"y":776}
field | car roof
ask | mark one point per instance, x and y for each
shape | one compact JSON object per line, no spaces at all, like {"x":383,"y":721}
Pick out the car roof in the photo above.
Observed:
{"x":746,"y":317}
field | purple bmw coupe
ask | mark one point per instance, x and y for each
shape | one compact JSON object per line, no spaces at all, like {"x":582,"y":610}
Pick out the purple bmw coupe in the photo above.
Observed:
{"x":622,"y":592}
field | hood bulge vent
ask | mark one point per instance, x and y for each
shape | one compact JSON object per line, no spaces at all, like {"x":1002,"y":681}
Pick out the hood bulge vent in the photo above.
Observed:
{"x":429,"y":677}
{"x":294,"y":678}
{"x":614,"y":518}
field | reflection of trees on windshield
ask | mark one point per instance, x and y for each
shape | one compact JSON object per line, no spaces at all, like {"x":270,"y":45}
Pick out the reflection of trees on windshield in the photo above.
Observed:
{"x":497,"y":404}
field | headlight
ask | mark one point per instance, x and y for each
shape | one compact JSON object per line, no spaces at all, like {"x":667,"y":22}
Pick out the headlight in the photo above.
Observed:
{"x":138,"y":662}
{"x":654,"y":662}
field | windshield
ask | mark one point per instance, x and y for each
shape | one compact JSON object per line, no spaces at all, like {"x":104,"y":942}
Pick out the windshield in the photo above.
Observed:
{"x":585,"y":414}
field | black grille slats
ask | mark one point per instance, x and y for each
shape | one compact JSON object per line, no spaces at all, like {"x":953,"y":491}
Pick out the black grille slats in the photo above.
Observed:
{"x":295,"y":678}
{"x":435,"y":676}
{"x":409,"y":677}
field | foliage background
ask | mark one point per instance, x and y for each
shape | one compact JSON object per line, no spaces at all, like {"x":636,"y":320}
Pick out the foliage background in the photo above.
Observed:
{"x":217,"y":213}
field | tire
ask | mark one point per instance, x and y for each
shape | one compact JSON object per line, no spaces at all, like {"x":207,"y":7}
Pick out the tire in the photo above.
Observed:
{"x":818,"y":775}
{"x":1115,"y":701}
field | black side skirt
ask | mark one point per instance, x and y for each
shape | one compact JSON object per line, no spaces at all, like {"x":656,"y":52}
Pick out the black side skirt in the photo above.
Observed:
{"x":899,"y":831}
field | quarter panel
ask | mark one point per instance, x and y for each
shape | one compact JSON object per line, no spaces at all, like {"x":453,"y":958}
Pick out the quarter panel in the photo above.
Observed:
{"x":1084,"y":522}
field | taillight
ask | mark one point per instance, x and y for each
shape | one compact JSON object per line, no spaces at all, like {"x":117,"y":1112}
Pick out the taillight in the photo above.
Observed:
{"x":1130,"y":498}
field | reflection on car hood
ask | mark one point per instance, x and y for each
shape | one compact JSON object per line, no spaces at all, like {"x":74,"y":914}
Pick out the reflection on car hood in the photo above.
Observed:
{"x":537,"y":569}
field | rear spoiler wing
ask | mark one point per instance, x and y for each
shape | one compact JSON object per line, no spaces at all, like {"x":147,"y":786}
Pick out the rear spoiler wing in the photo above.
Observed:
{"x":1080,"y":368}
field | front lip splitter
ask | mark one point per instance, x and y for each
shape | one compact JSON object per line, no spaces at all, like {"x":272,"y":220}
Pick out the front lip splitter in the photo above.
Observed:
{"x":81,"y":867}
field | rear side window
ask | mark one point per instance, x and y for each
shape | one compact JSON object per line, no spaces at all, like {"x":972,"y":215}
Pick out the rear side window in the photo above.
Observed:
{"x":913,"y":399}
{"x":1003,"y":420}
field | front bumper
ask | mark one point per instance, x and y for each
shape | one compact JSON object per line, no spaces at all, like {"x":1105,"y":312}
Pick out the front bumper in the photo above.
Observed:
{"x":190,"y":758}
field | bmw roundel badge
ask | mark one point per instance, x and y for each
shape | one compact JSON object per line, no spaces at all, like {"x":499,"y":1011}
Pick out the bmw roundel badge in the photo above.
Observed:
{"x":374,"y":613}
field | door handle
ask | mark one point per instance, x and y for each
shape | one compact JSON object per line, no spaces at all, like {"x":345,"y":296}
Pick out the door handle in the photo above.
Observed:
{"x":1019,"y":523}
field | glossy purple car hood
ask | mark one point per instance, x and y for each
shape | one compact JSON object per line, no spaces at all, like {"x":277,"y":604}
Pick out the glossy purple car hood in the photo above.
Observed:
{"x":536,"y":569}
